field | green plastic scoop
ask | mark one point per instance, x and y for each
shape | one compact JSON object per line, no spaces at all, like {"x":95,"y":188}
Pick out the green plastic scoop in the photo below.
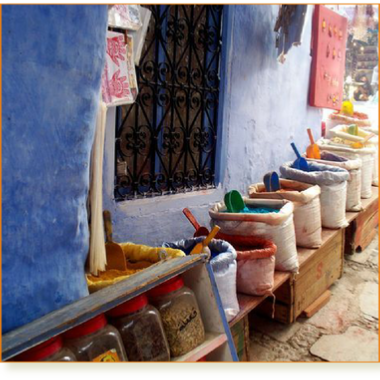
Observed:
{"x":234,"y":201}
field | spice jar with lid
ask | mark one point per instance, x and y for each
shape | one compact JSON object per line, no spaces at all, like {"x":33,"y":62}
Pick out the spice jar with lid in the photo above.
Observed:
{"x":180,"y":315}
{"x":50,"y":351}
{"x":96,"y":341}
{"x":141,"y":329}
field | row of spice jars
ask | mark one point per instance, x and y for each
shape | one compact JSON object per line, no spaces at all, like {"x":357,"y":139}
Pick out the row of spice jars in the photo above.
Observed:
{"x":137,"y":330}
{"x":171,"y":327}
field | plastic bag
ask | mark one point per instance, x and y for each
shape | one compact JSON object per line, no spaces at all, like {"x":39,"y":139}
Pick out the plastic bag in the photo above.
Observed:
{"x":224,"y":267}
{"x":255,"y":264}
{"x":333,"y":183}
{"x":307,"y":208}
{"x":276,"y":227}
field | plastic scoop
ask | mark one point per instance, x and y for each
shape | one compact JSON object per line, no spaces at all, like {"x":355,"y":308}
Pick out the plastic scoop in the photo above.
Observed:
{"x":271,"y":182}
{"x":275,"y":182}
{"x":312,"y":151}
{"x":199,"y":230}
{"x":114,"y":252}
{"x":361,"y":144}
{"x":300,"y":163}
{"x":267,"y":182}
{"x":353,"y":129}
{"x":199,"y":246}
{"x":234,"y":201}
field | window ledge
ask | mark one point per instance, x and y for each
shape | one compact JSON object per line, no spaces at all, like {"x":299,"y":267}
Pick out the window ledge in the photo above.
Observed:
{"x":165,"y":203}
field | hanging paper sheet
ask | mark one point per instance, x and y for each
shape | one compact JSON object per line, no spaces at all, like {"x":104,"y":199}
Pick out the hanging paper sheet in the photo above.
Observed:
{"x":116,"y":89}
{"x":125,"y":17}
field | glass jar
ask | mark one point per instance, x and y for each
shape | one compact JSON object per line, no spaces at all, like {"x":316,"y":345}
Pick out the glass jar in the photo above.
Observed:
{"x":180,"y":316}
{"x":50,"y":351}
{"x":96,"y":341}
{"x":140,"y":327}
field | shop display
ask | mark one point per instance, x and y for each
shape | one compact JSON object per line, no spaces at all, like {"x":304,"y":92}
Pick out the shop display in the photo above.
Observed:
{"x":329,"y":37}
{"x":354,"y":182}
{"x":333,"y":183}
{"x":223,"y":263}
{"x":307,"y":208}
{"x":180,"y":316}
{"x":96,"y":341}
{"x":50,"y":351}
{"x":141,"y":330}
{"x":277,"y":227}
{"x":255,"y":264}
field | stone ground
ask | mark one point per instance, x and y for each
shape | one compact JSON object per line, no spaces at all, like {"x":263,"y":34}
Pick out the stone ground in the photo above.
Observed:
{"x":345,"y":329}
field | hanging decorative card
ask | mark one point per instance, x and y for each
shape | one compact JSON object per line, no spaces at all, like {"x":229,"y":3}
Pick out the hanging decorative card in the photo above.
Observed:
{"x":115,"y":79}
{"x":125,"y":17}
{"x":329,"y":37}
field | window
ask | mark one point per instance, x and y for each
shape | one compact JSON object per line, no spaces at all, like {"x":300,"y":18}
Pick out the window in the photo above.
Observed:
{"x":166,"y":140}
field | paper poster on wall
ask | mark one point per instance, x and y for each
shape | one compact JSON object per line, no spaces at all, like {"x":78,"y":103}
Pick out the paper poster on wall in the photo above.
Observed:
{"x":116,"y":88}
{"x":329,"y":37}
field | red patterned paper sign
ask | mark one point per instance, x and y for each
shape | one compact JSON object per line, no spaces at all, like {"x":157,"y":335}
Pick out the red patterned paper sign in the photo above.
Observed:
{"x":115,"y":80}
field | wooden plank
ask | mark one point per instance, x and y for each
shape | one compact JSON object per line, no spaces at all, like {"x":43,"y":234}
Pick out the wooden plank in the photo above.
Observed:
{"x":248,"y":303}
{"x":319,"y":273}
{"x":211,"y":343}
{"x":317,"y":304}
{"x":64,"y":319}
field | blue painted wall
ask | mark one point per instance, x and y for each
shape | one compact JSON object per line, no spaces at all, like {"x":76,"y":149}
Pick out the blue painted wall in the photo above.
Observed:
{"x":264,"y":108}
{"x":52,"y":59}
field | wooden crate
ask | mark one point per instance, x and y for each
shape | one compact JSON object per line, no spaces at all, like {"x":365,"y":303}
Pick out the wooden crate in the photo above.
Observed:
{"x":240,"y":336}
{"x":362,"y":228}
{"x":319,"y":269}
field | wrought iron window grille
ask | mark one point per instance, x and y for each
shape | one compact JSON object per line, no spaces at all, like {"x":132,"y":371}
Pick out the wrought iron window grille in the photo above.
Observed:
{"x":166,"y":141}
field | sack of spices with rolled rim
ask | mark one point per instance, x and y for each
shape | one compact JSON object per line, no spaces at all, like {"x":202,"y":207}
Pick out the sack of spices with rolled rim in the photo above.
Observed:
{"x":255,"y":264}
{"x":224,"y":267}
{"x":138,"y":257}
{"x":307,"y":208}
{"x":333,"y":184}
{"x":275,"y":226}
{"x":366,"y":155}
{"x":354,"y":183}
